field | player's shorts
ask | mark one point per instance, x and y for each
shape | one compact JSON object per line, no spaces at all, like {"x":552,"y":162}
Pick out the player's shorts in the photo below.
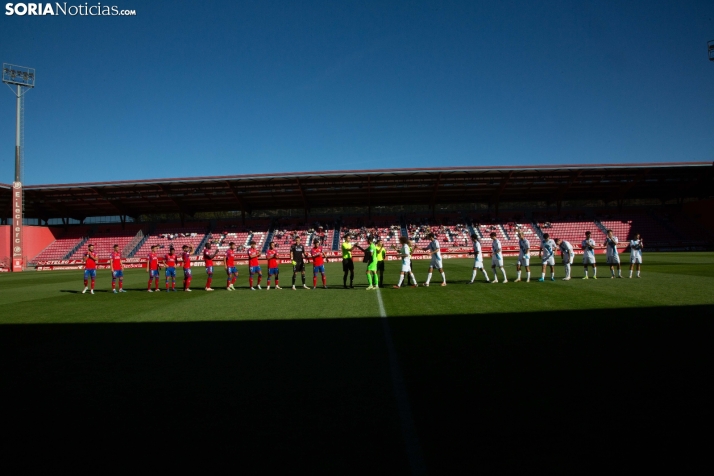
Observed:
{"x":613,"y":259}
{"x":209,"y":269}
{"x":548,"y":261}
{"x":273,"y":271}
{"x":90,"y":273}
{"x":254,"y":269}
{"x":436,"y":263}
{"x":524,"y":260}
{"x":117,"y":274}
{"x":299,"y":267}
{"x":497,"y":260}
{"x":231,"y":270}
{"x":478,"y":263}
{"x":406,"y":267}
{"x":568,"y":259}
{"x":318,"y":269}
{"x":372,"y":266}
{"x":187,"y":272}
{"x":153,"y":273}
{"x":380,"y":265}
{"x":170,"y":272}
{"x":348,"y":265}
{"x":636,"y":259}
{"x":587,"y":259}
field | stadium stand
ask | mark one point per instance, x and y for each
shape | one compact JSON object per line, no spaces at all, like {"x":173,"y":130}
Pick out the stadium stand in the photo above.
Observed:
{"x":625,"y":226}
{"x":572,"y":230}
{"x":286,"y":229}
{"x":168,"y":234}
{"x":450,"y":230}
{"x":506,"y":231}
{"x":106,"y":237}
{"x":60,"y":248}
{"x":386,"y":228}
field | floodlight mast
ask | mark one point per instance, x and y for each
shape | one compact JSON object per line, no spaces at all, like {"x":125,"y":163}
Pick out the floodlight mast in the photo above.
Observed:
{"x":18,"y":77}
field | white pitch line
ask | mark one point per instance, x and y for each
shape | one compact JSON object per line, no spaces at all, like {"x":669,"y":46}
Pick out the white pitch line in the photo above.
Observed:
{"x":411,"y":440}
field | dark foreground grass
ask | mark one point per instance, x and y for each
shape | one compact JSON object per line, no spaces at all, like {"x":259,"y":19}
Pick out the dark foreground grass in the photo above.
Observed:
{"x":571,"y":375}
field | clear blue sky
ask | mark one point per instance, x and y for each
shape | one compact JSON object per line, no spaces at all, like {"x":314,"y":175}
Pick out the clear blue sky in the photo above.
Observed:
{"x":221,"y":88}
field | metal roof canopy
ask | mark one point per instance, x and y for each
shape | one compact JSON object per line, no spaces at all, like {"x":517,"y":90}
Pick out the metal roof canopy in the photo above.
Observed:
{"x":423,"y":186}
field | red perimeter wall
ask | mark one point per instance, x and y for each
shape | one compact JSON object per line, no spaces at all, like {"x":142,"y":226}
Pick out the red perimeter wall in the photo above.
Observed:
{"x":4,"y":242}
{"x":37,"y":238}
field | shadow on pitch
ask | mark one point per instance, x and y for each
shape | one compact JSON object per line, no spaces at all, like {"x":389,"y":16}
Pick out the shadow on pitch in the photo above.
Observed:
{"x":488,"y":391}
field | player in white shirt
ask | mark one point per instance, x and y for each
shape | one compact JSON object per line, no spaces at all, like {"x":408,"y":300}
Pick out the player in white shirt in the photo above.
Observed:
{"x":435,"y":251}
{"x":613,"y":257}
{"x":524,"y":257}
{"x":636,"y":254}
{"x":588,"y":246}
{"x":497,"y":258}
{"x":405,"y":253}
{"x":566,"y":251}
{"x":547,"y":257}
{"x":478,"y":259}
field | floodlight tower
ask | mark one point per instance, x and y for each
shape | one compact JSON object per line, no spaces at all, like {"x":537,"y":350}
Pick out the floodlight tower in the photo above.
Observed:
{"x":19,"y":79}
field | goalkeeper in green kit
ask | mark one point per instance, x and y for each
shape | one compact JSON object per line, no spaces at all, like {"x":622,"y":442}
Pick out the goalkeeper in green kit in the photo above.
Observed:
{"x":370,"y":257}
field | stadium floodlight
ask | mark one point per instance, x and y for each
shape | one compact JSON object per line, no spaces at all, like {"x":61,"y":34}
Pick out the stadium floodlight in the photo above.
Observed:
{"x":19,"y":79}
{"x":710,"y":48}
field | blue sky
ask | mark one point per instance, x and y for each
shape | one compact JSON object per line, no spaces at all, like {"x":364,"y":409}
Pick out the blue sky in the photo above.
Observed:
{"x":220,"y":88}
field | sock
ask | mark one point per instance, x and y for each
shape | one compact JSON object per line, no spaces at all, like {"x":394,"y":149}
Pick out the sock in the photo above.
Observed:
{"x":228,"y":282}
{"x":294,"y":279}
{"x":147,"y":287}
{"x":173,"y":284}
{"x":503,"y":272}
{"x":552,"y":274}
{"x":413,"y":278}
{"x":92,"y":284}
{"x":619,"y":272}
{"x":303,"y":279}
{"x":612,"y":272}
{"x":250,"y":281}
{"x":276,"y":280}
{"x":167,"y":284}
{"x":586,"y":272}
{"x":156,"y":283}
{"x":314,"y":281}
{"x":352,"y":277}
{"x":443,"y":277}
{"x":542,"y":275}
{"x":518,"y":275}
{"x":630,"y":273}
{"x":638,"y":273}
{"x":369,"y":279}
{"x":114,"y":282}
{"x":528,"y":275}
{"x":401,"y":280}
{"x":233,"y":279}
{"x":344,"y":279}
{"x":121,"y":283}
{"x":375,"y":278}
{"x":428,"y":278}
{"x":260,"y":277}
{"x":567,"y":270}
{"x":188,"y":283}
{"x":324,"y":281}
{"x":87,"y":282}
{"x":208,"y":282}
{"x":473,"y":274}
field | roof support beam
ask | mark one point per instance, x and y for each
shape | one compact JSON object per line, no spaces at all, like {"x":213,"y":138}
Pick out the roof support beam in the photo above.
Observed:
{"x":306,"y":205}
{"x":432,"y":202}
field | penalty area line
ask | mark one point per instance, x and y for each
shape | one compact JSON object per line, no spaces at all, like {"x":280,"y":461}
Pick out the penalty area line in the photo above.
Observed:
{"x":411,"y":440}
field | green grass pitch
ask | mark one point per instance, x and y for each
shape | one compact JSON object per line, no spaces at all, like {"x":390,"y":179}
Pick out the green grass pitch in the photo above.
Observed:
{"x":53,"y":297}
{"x":498,"y":377}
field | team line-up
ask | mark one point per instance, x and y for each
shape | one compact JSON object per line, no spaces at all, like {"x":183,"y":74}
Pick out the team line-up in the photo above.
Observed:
{"x":374,"y":256}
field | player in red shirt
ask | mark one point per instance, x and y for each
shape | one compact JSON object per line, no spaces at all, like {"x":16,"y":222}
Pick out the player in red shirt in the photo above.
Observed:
{"x":186,"y":259}
{"x":117,"y":269}
{"x":231,"y":270}
{"x":152,"y":267}
{"x":208,"y":260}
{"x":90,"y":268}
{"x":273,"y":268}
{"x":318,"y":264}
{"x":170,"y":263}
{"x":254,"y":265}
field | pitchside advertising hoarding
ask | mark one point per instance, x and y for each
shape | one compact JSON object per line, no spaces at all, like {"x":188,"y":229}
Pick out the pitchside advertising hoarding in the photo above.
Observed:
{"x":17,"y":226}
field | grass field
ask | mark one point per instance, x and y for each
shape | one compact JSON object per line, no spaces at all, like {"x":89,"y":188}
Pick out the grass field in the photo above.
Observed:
{"x":495,"y":376}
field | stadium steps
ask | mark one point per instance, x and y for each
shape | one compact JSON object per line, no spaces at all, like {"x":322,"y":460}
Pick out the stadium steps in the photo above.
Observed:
{"x":206,"y":237}
{"x":138,"y":245}
{"x":268,"y":239}
{"x":76,"y":247}
{"x":129,"y":249}
{"x":537,"y":229}
{"x":602,"y":227}
{"x":503,"y":230}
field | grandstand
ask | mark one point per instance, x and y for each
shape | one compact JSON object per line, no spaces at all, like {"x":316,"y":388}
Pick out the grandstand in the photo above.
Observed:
{"x":467,"y":189}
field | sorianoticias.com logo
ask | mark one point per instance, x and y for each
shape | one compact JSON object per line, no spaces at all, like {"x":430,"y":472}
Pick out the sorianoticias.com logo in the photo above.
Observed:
{"x":62,"y":8}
